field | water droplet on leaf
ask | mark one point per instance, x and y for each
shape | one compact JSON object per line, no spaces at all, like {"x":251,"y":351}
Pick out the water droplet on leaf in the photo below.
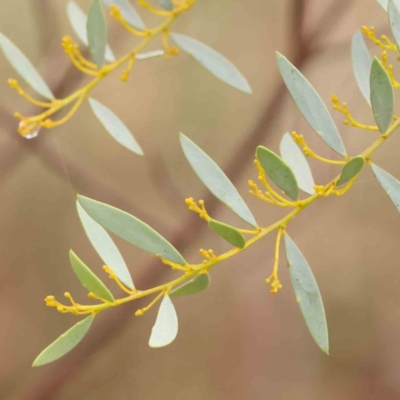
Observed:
{"x":32,"y":133}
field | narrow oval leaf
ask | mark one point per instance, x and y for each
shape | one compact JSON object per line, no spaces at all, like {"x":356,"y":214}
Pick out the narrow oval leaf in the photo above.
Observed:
{"x":389,"y":184}
{"x":297,"y":162}
{"x":130,"y":228}
{"x":215,"y":180}
{"x":229,"y":233}
{"x":115,"y":127}
{"x":361,"y":65}
{"x":278,"y":172}
{"x":88,"y":279}
{"x":310,"y":104}
{"x":105,"y":247}
{"x":307,"y":294}
{"x":196,"y":285}
{"x":215,"y":62}
{"x":24,"y":67}
{"x":149,"y":54}
{"x":166,"y":4}
{"x":394,"y":19}
{"x":78,"y":21}
{"x":384,"y":3}
{"x":351,"y":169}
{"x":97,"y":32}
{"x":166,"y":327}
{"x":128,"y":12}
{"x":382,"y":96}
{"x":65,"y":343}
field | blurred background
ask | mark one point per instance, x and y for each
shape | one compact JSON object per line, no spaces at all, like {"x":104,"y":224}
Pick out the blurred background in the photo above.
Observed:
{"x":236,"y":341}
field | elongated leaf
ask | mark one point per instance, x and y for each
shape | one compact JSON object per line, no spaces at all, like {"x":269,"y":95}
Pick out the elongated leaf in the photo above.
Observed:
{"x":351,"y":169}
{"x":166,"y":327}
{"x":65,"y":343}
{"x":278,"y":172}
{"x":215,"y":62}
{"x":310,"y":104}
{"x":389,"y":184}
{"x":383,"y":4}
{"x":78,"y":21}
{"x":166,"y":4}
{"x":24,"y":67}
{"x":88,"y":279}
{"x":382,"y":96}
{"x":128,"y":12}
{"x":307,"y":294}
{"x":105,"y":247}
{"x":362,"y":62}
{"x":297,"y":162}
{"x":115,"y":127}
{"x":394,"y":19}
{"x":196,"y":285}
{"x":227,"y":232}
{"x":215,"y":180}
{"x":149,"y":54}
{"x":132,"y":229}
{"x":97,"y":32}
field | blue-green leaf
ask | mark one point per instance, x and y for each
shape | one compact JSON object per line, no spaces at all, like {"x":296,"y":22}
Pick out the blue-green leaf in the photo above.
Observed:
{"x":78,"y":21}
{"x":394,"y":19}
{"x":196,"y":285}
{"x":215,"y":180}
{"x":389,"y":184}
{"x":277,"y":170}
{"x":166,"y":327}
{"x":227,"y":232}
{"x":215,"y":62}
{"x":130,"y":228}
{"x":128,"y":12}
{"x":114,"y":126}
{"x":382,"y":96}
{"x":97,"y":32}
{"x":297,"y":162}
{"x":310,"y":104}
{"x":166,"y":4}
{"x":351,"y":169}
{"x":362,"y":62}
{"x":307,"y":294}
{"x":105,"y":247}
{"x":24,"y":67}
{"x":65,"y":343}
{"x":88,"y":279}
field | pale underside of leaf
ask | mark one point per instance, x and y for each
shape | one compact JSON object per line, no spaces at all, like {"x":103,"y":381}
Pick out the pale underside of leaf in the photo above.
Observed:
{"x":297,"y":162}
{"x":216,"y":180}
{"x":311,"y":105}
{"x":115,"y":127}
{"x":24,"y":67}
{"x":149,"y":54}
{"x":389,"y":184}
{"x":394,"y":20}
{"x":105,"y":247}
{"x":307,"y":294}
{"x":215,"y":62}
{"x":384,"y":3}
{"x":65,"y":343}
{"x":196,"y":285}
{"x":166,"y":327}
{"x":128,"y":12}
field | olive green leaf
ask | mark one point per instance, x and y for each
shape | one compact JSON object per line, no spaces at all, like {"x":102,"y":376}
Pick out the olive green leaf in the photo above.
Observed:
{"x":307,"y":294}
{"x":114,"y":126}
{"x":166,"y":327}
{"x":196,"y":285}
{"x":78,"y":21}
{"x":382,"y":96}
{"x":351,"y":169}
{"x":105,"y":247}
{"x":362,"y":62}
{"x":215,"y":62}
{"x":166,"y":4}
{"x":88,"y":279}
{"x":130,"y":228}
{"x":24,"y":67}
{"x":297,"y":162}
{"x":128,"y":12}
{"x":215,"y":180}
{"x":278,"y":171}
{"x":65,"y":343}
{"x":394,"y":19}
{"x":310,"y":104}
{"x":97,"y":32}
{"x":389,"y":184}
{"x":227,"y":232}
